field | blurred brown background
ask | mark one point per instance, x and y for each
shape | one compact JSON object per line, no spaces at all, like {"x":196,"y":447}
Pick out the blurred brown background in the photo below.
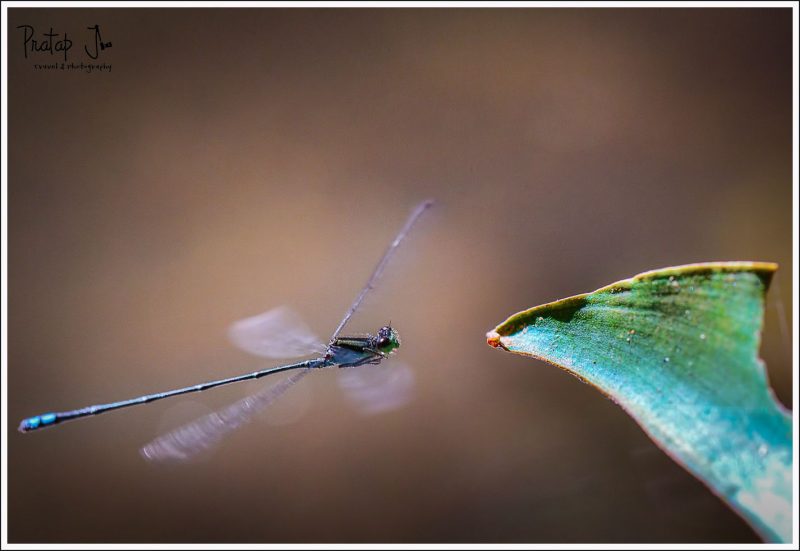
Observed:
{"x":234,"y":160}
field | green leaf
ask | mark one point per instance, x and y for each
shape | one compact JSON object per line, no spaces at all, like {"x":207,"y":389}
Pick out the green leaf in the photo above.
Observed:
{"x":678,"y":349}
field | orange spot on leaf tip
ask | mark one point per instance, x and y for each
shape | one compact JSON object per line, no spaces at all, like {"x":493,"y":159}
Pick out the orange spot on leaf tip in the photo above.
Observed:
{"x":493,"y":339}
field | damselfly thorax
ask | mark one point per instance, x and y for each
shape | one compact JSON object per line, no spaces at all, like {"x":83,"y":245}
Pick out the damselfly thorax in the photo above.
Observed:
{"x":360,"y":350}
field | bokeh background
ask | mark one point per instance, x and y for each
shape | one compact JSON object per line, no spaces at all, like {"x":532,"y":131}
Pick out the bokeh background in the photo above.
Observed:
{"x":238,"y":159}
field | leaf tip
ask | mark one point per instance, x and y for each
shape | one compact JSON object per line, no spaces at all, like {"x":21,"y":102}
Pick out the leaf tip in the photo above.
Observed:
{"x":493,"y":339}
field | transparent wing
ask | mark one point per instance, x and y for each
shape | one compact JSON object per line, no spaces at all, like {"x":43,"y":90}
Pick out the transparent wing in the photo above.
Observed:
{"x":387,"y":255}
{"x":378,"y":388}
{"x":277,"y":333}
{"x":206,"y":432}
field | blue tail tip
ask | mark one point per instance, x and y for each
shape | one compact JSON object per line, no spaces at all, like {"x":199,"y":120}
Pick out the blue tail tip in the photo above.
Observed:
{"x":33,"y":423}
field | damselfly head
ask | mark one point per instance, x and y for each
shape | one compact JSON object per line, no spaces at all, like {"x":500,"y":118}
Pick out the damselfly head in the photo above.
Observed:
{"x":388,"y":340}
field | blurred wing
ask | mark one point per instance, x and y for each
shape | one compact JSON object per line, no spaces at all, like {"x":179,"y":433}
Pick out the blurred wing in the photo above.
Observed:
{"x":277,"y":333}
{"x":378,"y":388}
{"x":207,"y":431}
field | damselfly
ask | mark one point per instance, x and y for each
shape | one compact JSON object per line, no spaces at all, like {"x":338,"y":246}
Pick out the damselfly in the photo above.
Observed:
{"x":274,"y":334}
